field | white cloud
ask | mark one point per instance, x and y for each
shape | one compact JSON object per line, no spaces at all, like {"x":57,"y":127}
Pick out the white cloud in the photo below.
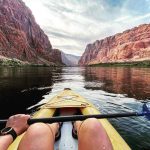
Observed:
{"x":141,"y":17}
{"x":122,"y":18}
{"x":72,"y":24}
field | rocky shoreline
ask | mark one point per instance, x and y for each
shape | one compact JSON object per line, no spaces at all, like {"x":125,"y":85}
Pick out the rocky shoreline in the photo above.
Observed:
{"x":145,"y":63}
{"x":4,"y":61}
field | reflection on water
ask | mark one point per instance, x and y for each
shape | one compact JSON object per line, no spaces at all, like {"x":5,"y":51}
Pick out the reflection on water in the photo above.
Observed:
{"x":111,"y":90}
{"x":23,"y":87}
{"x":135,"y":82}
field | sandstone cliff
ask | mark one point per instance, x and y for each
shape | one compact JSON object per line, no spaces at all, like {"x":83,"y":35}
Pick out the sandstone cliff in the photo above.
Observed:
{"x":21,"y":37}
{"x":131,"y":45}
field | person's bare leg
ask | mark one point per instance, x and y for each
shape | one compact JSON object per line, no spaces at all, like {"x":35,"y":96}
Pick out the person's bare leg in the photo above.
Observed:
{"x":39,"y":136}
{"x":92,"y":135}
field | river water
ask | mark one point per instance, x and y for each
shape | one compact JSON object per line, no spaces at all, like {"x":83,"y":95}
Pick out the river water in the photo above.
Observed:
{"x":111,"y":90}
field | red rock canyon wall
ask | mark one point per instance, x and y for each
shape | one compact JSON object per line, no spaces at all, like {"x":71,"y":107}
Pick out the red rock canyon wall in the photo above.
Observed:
{"x":131,"y":45}
{"x":21,"y":37}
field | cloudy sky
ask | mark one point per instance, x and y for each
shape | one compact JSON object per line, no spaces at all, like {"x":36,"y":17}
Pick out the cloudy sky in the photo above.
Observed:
{"x":72,"y":24}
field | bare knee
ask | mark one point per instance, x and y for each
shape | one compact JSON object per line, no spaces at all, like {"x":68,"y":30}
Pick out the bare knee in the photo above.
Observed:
{"x":91,"y":125}
{"x":36,"y":134}
{"x":93,"y":131}
{"x":38,"y":129}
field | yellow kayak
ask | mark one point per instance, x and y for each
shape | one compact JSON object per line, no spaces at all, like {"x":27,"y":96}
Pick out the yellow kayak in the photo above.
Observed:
{"x":68,"y":99}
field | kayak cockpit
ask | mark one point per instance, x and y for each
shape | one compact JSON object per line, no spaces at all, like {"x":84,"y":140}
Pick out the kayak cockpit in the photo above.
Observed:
{"x":66,"y":142}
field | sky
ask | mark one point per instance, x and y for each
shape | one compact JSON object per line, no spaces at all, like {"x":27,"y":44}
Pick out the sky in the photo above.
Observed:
{"x":72,"y":24}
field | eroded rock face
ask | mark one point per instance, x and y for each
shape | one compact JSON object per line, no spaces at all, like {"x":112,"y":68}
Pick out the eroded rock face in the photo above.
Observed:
{"x":131,"y":45}
{"x":21,"y":37}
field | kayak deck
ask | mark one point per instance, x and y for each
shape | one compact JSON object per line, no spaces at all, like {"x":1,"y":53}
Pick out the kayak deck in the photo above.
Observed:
{"x":66,"y":142}
{"x":68,"y":99}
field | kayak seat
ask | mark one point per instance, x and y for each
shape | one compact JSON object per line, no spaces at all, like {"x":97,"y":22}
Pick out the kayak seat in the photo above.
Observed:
{"x":66,"y":141}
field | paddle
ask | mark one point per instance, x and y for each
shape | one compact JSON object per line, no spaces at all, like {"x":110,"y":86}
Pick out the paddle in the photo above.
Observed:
{"x":145,"y":112}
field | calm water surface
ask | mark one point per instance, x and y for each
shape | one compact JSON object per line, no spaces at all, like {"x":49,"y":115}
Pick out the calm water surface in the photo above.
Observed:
{"x":109,"y":89}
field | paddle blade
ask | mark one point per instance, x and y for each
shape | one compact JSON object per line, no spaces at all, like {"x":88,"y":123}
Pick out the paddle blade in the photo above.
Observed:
{"x":146,"y":111}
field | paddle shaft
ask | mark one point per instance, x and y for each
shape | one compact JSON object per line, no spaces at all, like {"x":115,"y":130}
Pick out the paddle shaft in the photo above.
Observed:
{"x":81,"y":117}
